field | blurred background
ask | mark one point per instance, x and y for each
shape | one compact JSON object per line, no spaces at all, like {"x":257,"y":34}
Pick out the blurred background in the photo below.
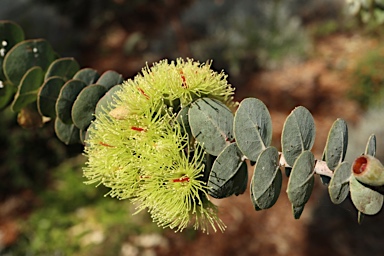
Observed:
{"x":321,"y":54}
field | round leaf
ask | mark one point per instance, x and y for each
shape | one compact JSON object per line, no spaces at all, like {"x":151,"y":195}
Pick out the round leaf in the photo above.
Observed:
{"x":84,"y":106}
{"x":48,"y":94}
{"x":67,"y":97}
{"x":337,"y":142}
{"x":183,"y":120}
{"x":108,"y":100}
{"x":10,"y":35}
{"x":211,"y":124}
{"x":87,"y":75}
{"x":252,"y":127}
{"x":65,"y":68}
{"x":82,"y":135}
{"x":266,"y":180}
{"x":29,"y":86}
{"x":7,"y":92}
{"x":228,"y":174}
{"x":370,"y":148}
{"x":67,"y":133}
{"x":298,"y":134}
{"x":339,"y":185}
{"x":109,"y":79}
{"x":25,"y":55}
{"x":365,"y":199}
{"x":301,"y":182}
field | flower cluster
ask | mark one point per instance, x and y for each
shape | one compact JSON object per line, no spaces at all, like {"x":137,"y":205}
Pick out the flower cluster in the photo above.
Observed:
{"x":141,"y":153}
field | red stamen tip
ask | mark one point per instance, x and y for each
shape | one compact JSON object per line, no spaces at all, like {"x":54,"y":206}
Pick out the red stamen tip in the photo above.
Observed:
{"x":138,"y":129}
{"x":143,"y":93}
{"x":105,"y":144}
{"x":181,"y":179}
{"x":184,"y":84}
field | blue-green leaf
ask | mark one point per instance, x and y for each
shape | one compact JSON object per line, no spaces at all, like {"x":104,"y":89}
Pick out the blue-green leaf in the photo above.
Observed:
{"x":339,"y":185}
{"x":252,"y":127}
{"x":337,"y":142}
{"x":301,"y":182}
{"x":229,"y":173}
{"x":298,"y":134}
{"x":266,"y":180}
{"x":211,"y":124}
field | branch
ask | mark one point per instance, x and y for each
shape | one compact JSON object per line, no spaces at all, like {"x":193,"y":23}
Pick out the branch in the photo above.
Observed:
{"x":321,"y":167}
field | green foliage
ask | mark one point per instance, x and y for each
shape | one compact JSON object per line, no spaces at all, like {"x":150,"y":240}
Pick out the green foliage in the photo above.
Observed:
{"x":85,"y":105}
{"x":365,"y":199}
{"x":211,"y":124}
{"x":368,"y":79}
{"x":337,"y":144}
{"x":67,"y":133}
{"x":252,"y":127}
{"x":301,"y":182}
{"x":105,"y":103}
{"x":65,"y":68}
{"x":339,"y":185}
{"x":28,"y":88}
{"x":368,"y":11}
{"x":78,"y":220}
{"x":23,"y":155}
{"x":228,"y":175}
{"x":298,"y":134}
{"x":266,"y":180}
{"x":48,"y":94}
{"x":168,"y":138}
{"x":25,"y":55}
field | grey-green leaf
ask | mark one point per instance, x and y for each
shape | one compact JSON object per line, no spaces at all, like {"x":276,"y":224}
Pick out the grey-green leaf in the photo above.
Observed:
{"x":25,"y":55}
{"x":47,"y":96}
{"x":65,"y":68}
{"x":252,"y":127}
{"x":87,"y":75}
{"x":339,"y":185}
{"x":67,"y":97}
{"x":370,"y":148}
{"x":301,"y":181}
{"x":83,"y":108}
{"x":228,"y":174}
{"x":298,"y":134}
{"x":7,"y":93}
{"x":211,"y":124}
{"x":365,"y":199}
{"x":337,"y":142}
{"x":108,"y":100}
{"x":266,"y":180}
{"x":10,"y":35}
{"x":67,"y":133}
{"x":183,"y":120}
{"x":109,"y":79}
{"x":29,"y":86}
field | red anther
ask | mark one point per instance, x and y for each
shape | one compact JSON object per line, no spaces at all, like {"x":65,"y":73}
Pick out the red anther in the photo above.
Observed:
{"x":181,"y":179}
{"x":142,"y":92}
{"x":183,"y":78}
{"x":105,"y":144}
{"x":139,"y":129}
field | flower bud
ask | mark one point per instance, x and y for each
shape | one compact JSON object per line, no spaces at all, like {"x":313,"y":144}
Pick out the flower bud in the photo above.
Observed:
{"x":119,"y":113}
{"x":368,"y":170}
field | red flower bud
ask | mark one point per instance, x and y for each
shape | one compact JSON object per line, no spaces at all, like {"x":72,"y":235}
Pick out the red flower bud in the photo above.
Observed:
{"x":368,"y":170}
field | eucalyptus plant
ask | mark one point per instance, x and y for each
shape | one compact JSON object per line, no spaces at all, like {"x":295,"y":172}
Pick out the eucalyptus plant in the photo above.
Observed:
{"x":172,"y":137}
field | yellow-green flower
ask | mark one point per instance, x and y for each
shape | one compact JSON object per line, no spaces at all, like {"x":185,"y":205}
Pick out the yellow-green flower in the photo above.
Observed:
{"x":141,"y":153}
